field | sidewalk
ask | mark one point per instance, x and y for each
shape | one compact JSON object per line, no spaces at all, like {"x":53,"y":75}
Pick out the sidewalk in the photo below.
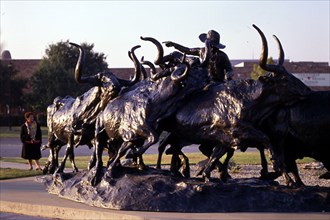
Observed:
{"x":27,"y":197}
{"x":15,"y":165}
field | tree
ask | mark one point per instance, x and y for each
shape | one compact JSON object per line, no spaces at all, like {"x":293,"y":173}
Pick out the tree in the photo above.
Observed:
{"x":11,"y":86}
{"x":258,"y":71}
{"x":11,"y":92}
{"x":55,"y":73}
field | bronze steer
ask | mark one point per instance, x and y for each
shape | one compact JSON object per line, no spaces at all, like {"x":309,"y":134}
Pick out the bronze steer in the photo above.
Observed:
{"x":71,"y":121}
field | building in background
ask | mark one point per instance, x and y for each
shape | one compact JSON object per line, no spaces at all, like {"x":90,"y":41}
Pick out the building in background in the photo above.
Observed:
{"x":314,"y":74}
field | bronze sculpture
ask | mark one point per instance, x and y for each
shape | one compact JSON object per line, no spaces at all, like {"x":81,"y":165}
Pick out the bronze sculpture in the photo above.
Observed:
{"x":221,"y":117}
{"x":71,"y":121}
{"x":290,"y":119}
{"x":226,"y":115}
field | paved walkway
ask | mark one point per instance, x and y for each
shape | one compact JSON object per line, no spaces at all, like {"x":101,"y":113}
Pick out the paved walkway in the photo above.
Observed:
{"x":14,"y":165}
{"x":24,"y":197}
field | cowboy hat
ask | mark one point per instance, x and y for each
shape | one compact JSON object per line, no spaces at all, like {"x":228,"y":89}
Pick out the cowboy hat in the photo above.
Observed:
{"x":213,"y":37}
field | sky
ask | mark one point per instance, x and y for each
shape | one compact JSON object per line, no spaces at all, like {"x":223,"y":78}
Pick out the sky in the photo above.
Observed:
{"x":114,"y":27}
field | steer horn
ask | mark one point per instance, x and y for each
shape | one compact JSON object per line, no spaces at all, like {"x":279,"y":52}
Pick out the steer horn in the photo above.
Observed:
{"x":137,"y":66}
{"x":264,"y":53}
{"x":159,"y":59}
{"x":177,"y":74}
{"x":281,"y":52}
{"x":79,"y":65}
{"x":143,"y":70}
{"x":151,"y":66}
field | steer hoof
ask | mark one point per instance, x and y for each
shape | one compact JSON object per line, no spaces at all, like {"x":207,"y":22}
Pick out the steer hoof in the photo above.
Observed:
{"x":109,"y":175}
{"x":269,"y":176}
{"x":58,"y":171}
{"x":293,"y":185}
{"x":325,"y":175}
{"x":130,"y":155}
{"x":96,"y":180}
{"x":206,"y":178}
{"x":224,"y":176}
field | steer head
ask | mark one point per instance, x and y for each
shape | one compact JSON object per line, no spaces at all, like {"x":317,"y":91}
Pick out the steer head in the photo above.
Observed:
{"x":288,"y":88}
{"x":178,"y":72}
{"x":103,"y":78}
{"x":278,"y":88}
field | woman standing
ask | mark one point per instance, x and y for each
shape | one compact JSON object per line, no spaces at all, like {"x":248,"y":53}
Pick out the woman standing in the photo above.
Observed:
{"x":31,"y":139}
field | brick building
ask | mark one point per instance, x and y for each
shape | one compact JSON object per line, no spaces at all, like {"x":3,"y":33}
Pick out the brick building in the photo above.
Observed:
{"x":314,"y":74}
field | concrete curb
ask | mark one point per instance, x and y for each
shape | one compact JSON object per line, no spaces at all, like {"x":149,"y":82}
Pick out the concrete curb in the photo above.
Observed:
{"x":56,"y":212}
{"x":60,"y":212}
{"x":24,"y":196}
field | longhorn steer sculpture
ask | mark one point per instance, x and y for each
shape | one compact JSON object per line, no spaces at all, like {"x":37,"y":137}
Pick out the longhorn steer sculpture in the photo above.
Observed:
{"x":71,"y":121}
{"x":298,"y":129}
{"x":301,"y":130}
{"x":134,"y":114}
{"x":226,"y":115}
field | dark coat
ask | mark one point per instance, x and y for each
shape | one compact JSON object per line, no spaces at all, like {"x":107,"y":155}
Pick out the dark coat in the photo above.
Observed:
{"x":31,"y":150}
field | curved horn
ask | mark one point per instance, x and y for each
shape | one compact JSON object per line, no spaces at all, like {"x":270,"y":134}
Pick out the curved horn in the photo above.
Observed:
{"x":143,"y":70}
{"x":177,"y":74}
{"x":151,"y":66}
{"x":281,"y":51}
{"x":159,"y":59}
{"x":264,"y":51}
{"x":264,"y":54}
{"x":137,"y":65}
{"x":79,"y":65}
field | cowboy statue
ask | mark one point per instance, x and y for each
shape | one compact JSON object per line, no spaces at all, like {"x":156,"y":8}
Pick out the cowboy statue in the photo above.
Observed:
{"x":218,"y":64}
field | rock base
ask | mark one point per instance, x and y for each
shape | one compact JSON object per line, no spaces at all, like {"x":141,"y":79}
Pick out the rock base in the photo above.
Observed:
{"x":159,"y":190}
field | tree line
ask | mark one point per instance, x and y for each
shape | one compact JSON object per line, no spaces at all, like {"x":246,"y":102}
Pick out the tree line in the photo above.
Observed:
{"x":53,"y":77}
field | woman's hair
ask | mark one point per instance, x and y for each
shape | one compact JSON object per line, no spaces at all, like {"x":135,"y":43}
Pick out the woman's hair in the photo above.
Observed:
{"x":27,"y":115}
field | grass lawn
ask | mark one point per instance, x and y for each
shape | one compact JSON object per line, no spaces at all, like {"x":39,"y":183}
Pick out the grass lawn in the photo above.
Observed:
{"x":149,"y":159}
{"x":5,"y":132}
{"x":9,"y":173}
